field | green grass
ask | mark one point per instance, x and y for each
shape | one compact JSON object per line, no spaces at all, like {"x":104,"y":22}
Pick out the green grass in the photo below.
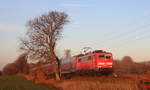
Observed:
{"x":20,"y":83}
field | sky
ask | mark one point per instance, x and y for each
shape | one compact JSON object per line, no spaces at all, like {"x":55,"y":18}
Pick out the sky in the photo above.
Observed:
{"x":118,"y":26}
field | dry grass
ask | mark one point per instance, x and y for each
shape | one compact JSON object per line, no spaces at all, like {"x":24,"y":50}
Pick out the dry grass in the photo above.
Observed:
{"x":98,"y":83}
{"x":94,"y":83}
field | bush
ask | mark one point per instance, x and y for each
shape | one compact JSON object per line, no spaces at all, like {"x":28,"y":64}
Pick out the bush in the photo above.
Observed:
{"x":20,"y":65}
{"x":10,"y":69}
{"x":0,"y":73}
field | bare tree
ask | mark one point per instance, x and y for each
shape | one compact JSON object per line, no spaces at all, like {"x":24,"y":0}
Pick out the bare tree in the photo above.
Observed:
{"x":42,"y":36}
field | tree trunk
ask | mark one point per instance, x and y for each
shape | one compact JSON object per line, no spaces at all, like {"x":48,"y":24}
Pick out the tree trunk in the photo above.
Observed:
{"x":57,"y":67}
{"x":57,"y":76}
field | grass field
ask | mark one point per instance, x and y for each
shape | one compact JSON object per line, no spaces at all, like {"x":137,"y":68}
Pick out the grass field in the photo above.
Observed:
{"x":19,"y":83}
{"x":99,"y":83}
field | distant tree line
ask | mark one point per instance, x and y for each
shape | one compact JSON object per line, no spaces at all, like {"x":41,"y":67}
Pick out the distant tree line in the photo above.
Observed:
{"x":121,"y":67}
{"x":20,"y":65}
{"x":128,"y":66}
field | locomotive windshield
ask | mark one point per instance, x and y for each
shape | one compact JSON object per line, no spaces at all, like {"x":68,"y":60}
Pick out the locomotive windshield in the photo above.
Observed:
{"x":108,"y":57}
{"x":101,"y":56}
{"x":105,"y":56}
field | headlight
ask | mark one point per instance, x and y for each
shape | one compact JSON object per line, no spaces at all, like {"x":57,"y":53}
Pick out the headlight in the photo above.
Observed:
{"x":109,"y":63}
{"x":101,"y":63}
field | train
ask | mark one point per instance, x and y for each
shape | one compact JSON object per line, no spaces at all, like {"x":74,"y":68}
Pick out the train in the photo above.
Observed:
{"x":98,"y":61}
{"x":95,"y":62}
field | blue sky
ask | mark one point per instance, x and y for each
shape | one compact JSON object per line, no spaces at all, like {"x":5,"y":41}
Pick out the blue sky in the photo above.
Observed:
{"x":119,"y":26}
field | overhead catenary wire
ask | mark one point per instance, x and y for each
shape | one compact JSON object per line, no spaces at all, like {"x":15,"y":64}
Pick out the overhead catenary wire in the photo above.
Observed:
{"x":110,"y":34}
{"x":126,"y":35}
{"x":124,"y":32}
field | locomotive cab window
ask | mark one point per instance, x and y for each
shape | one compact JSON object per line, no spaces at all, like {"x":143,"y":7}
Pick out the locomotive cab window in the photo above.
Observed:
{"x":108,"y":57}
{"x":101,"y":56}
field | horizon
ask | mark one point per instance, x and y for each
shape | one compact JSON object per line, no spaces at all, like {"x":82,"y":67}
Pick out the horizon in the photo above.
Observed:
{"x":120,"y":27}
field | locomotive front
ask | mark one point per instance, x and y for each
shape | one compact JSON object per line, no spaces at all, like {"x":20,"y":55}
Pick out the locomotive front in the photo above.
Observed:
{"x":104,"y":60}
{"x":98,"y":60}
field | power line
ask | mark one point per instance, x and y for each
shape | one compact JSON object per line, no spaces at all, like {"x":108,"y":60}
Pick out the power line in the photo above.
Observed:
{"x":127,"y":34}
{"x":128,"y":25}
{"x":110,"y":36}
{"x":143,"y":36}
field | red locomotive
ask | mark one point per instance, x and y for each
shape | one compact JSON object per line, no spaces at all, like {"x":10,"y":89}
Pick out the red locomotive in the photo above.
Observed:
{"x":96,"y":61}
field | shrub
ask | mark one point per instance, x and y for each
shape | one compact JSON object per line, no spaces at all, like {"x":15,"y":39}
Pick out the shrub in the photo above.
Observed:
{"x":10,"y":69}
